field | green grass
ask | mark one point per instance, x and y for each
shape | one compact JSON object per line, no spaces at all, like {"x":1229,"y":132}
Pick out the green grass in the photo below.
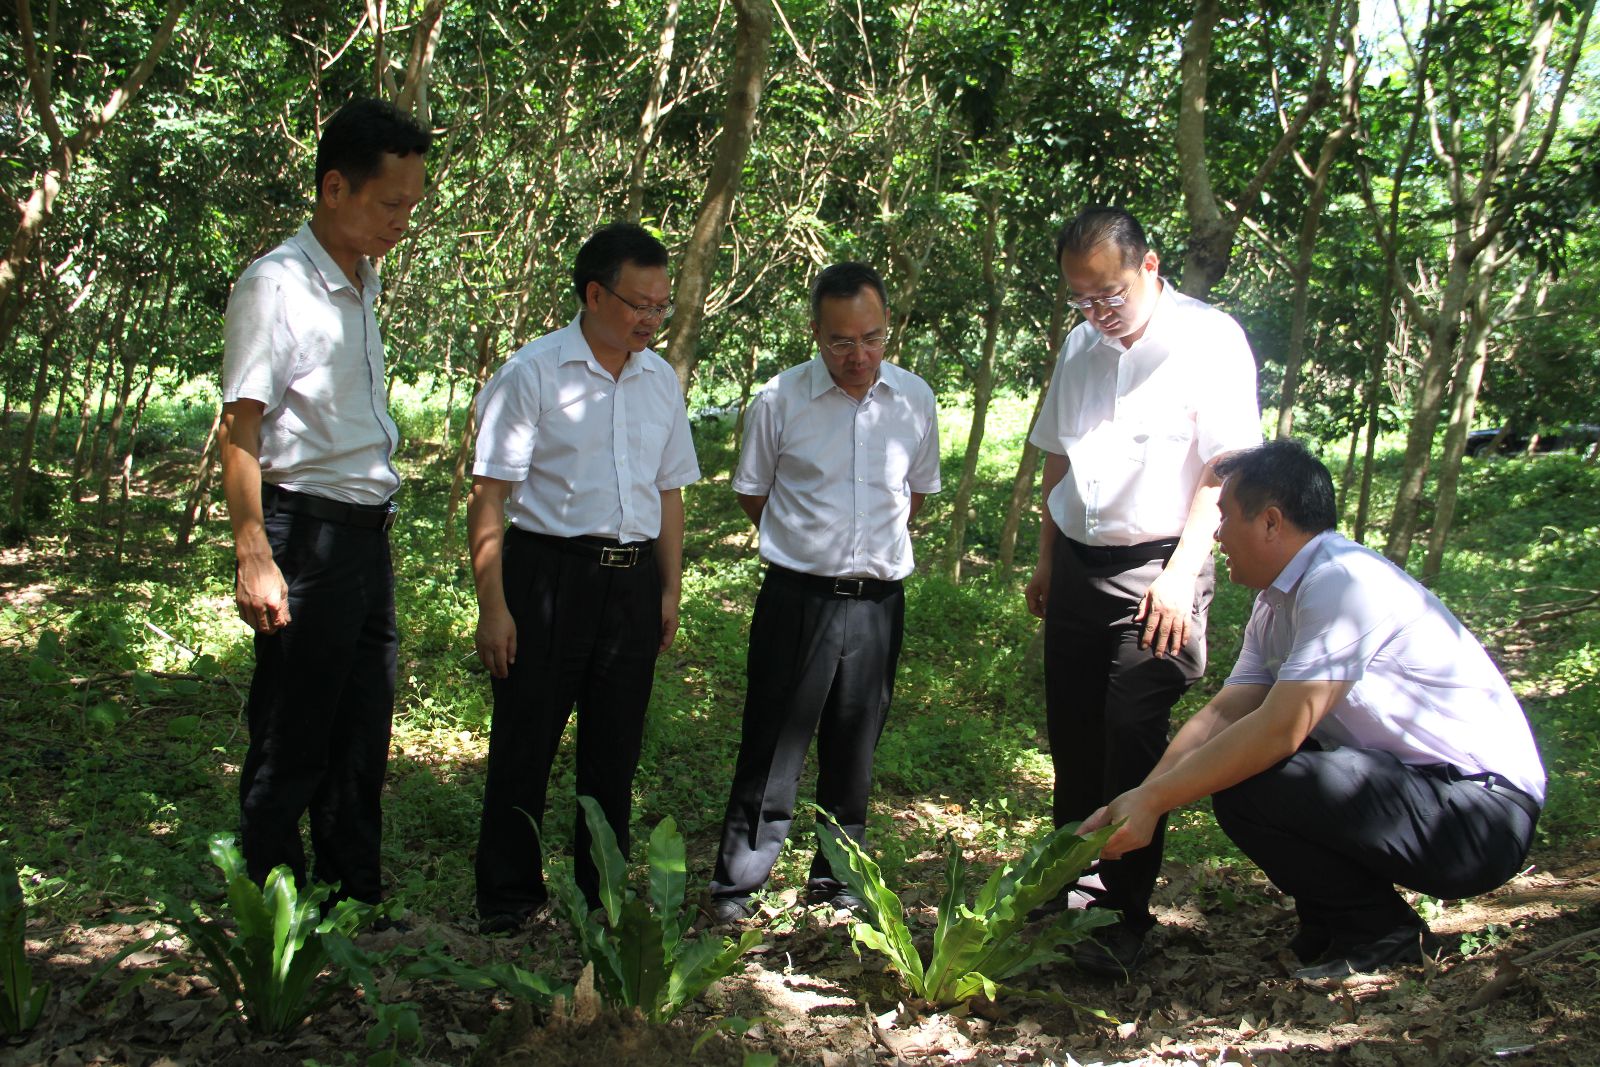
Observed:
{"x":113,"y":777}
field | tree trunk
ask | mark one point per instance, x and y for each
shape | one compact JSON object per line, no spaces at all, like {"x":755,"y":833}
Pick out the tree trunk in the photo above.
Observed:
{"x":24,"y":465}
{"x":747,"y":385}
{"x":1211,"y":232}
{"x":64,"y":150}
{"x":127,"y":467}
{"x":197,"y":488}
{"x":458,"y":470}
{"x":1306,"y":245}
{"x":752,"y":39}
{"x":1028,"y":467}
{"x":982,"y":382}
{"x":89,"y":432}
{"x":1462,"y":406}
{"x":1427,"y":405}
{"x":651,"y":115}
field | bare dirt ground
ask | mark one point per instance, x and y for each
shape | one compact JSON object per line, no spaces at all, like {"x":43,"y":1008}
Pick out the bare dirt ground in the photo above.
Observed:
{"x":1521,"y":984}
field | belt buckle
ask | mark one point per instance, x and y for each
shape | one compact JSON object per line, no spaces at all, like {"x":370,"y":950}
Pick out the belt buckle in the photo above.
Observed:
{"x":618,"y":556}
{"x":849,"y":586}
{"x":390,"y":516}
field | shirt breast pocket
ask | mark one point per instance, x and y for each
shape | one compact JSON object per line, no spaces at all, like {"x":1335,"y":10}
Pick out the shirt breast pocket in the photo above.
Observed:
{"x":891,"y":460}
{"x":646,"y":443}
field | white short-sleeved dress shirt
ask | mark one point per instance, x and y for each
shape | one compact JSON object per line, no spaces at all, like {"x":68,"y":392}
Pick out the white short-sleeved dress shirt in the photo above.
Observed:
{"x":589,"y":455}
{"x":299,"y":338}
{"x":838,"y":473}
{"x":1139,"y":424}
{"x":1425,"y":689}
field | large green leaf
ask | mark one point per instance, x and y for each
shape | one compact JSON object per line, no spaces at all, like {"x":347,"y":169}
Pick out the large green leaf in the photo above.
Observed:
{"x":608,"y":859}
{"x":669,"y":878}
{"x":643,"y":955}
{"x":701,"y":962}
{"x":858,"y":871}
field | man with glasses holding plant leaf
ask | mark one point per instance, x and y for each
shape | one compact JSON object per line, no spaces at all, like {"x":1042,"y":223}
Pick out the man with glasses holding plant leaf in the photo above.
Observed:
{"x":584,"y":442}
{"x":1149,"y":391}
{"x":839,"y":454}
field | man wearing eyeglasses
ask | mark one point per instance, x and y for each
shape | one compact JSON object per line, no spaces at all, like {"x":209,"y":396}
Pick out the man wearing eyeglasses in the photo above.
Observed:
{"x":839,"y":454}
{"x":583,"y":441}
{"x":1149,"y":391}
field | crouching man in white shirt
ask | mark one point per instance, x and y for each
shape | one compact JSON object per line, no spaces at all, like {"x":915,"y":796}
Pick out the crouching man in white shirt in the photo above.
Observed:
{"x":1363,"y":740}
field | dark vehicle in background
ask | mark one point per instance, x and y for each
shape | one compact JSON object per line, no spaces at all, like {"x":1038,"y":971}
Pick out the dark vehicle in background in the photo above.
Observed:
{"x":1579,"y":437}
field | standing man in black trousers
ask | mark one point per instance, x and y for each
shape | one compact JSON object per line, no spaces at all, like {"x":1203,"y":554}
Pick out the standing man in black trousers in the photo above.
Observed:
{"x":583,"y":434}
{"x":839,"y":454}
{"x":1149,"y":390}
{"x":307,"y":447}
{"x":1363,"y":739}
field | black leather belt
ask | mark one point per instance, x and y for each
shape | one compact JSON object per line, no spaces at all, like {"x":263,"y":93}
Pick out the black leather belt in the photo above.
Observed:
{"x":608,"y":551}
{"x":844,"y":587}
{"x":1490,"y":781}
{"x":1121,"y":555}
{"x":363,"y":516}
{"x":1496,"y":784}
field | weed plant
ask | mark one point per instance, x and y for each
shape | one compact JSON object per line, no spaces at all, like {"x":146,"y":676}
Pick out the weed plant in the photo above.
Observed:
{"x":270,"y":966}
{"x":641,"y":956}
{"x":979,"y":946}
{"x":22,"y":1000}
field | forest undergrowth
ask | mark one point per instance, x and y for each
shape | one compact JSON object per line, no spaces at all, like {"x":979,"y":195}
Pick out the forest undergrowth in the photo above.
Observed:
{"x":122,"y":688}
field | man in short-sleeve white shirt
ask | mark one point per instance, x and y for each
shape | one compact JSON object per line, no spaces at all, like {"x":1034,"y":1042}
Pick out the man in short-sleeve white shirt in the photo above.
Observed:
{"x":1148,"y":391}
{"x":307,"y":446}
{"x":838,"y":455}
{"x":1363,"y":739}
{"x":583,"y":442}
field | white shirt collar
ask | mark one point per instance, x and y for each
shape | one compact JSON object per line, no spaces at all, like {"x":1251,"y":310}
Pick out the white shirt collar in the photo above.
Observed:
{"x":333,"y":276}
{"x":819,"y":381}
{"x":575,"y":348}
{"x":1295,"y":569}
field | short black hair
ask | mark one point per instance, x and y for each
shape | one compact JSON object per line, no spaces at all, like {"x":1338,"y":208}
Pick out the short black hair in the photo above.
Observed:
{"x":1283,"y":473}
{"x":846,"y":280}
{"x":355,"y":139}
{"x":1095,"y":225}
{"x":608,"y":248}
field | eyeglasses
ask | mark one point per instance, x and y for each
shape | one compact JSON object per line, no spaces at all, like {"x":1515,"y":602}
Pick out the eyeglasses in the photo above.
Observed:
{"x":643,"y":311}
{"x":1115,"y":300}
{"x":872,"y":345}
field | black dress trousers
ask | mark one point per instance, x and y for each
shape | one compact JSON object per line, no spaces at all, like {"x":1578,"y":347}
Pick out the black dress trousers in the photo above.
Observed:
{"x":320,"y":707}
{"x":820,"y":662}
{"x":587,"y":637}
{"x":1108,"y":703}
{"x":1338,"y":829}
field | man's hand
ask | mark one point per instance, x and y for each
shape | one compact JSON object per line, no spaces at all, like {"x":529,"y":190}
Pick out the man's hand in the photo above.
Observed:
{"x":1037,"y":592}
{"x":262,"y":595}
{"x":1138,"y":821}
{"x":669,"y":620}
{"x":496,"y":640}
{"x":1165,"y":611}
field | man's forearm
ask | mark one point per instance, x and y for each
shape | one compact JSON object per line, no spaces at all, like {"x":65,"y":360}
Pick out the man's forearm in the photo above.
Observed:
{"x":669,"y":542}
{"x":1232,"y":751}
{"x":1226,"y":708}
{"x":1194,"y":544}
{"x":239,"y":441}
{"x":486,"y":531}
{"x":1055,"y":468}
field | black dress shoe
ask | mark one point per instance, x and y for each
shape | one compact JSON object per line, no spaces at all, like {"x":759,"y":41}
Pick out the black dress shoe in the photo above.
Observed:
{"x":1115,"y":952}
{"x":725,"y":911}
{"x":502,"y":922}
{"x":383,"y":924}
{"x":1310,"y":943}
{"x":1405,"y":945}
{"x":509,"y":922}
{"x":835,"y":896}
